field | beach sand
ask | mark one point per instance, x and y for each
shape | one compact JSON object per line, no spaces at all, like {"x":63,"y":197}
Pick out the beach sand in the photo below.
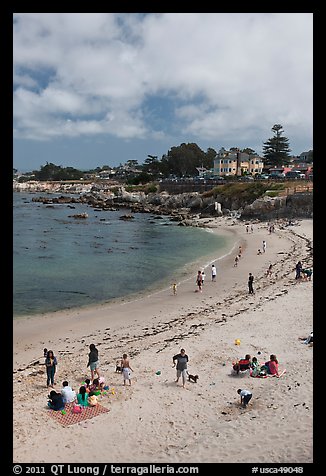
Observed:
{"x":156,"y":420}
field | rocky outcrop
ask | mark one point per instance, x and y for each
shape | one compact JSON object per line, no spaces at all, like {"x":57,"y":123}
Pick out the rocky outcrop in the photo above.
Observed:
{"x":186,"y":205}
{"x":299,"y":205}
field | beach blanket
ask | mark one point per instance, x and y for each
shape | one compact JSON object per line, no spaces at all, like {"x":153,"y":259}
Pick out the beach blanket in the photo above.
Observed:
{"x":70,"y":418}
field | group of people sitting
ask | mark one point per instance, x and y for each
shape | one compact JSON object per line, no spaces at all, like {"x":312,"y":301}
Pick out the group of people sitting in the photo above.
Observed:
{"x":87,"y":396}
{"x":269,"y":368}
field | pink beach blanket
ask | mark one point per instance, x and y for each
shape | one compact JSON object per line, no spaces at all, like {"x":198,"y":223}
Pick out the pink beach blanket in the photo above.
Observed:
{"x":70,"y":418}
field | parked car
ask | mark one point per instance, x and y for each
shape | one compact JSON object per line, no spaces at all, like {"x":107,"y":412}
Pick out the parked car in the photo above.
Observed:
{"x":246,"y":178}
{"x":292,"y":175}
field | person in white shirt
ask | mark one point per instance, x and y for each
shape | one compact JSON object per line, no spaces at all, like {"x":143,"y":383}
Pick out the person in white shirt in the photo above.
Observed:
{"x":245,"y":396}
{"x":68,"y":394}
{"x":214,"y":272}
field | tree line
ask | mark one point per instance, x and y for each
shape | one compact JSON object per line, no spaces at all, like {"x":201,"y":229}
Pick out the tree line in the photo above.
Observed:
{"x":180,"y":161}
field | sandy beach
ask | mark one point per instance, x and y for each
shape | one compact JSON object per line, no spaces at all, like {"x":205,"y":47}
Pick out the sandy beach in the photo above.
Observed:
{"x":155,"y":419}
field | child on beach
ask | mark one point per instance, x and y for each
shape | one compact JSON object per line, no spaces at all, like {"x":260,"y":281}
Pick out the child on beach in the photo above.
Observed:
{"x":87,"y":385}
{"x":55,"y":401}
{"x":269,"y":270}
{"x":199,"y":281}
{"x":96,"y":386}
{"x":214,"y":272}
{"x":255,"y":367}
{"x":126,"y":369}
{"x":82,"y":397}
{"x":174,"y":288}
{"x":245,"y":396}
{"x":68,"y":394}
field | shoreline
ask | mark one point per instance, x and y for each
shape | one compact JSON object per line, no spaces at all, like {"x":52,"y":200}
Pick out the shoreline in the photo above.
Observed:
{"x":160,"y":415}
{"x":28,"y":325}
{"x":151,"y":287}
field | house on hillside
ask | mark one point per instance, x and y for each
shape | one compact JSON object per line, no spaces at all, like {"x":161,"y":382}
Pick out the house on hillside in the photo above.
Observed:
{"x":234,"y":162}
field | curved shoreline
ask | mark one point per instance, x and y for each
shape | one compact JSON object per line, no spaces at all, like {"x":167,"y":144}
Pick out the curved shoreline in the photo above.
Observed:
{"x":160,"y":415}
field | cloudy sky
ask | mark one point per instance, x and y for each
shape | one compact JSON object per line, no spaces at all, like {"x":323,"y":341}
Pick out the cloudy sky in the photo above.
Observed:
{"x":93,"y":89}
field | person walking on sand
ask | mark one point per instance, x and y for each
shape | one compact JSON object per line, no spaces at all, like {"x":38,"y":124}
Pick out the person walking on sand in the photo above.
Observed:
{"x":264,"y":246}
{"x":199,"y":281}
{"x":50,"y":363}
{"x":250,"y":283}
{"x":126,"y":369}
{"x":174,"y":288}
{"x":180,"y":360}
{"x":214,"y":272}
{"x":93,"y":361}
{"x":245,"y":396}
{"x":269,"y":270}
{"x":298,"y":270}
{"x":236,"y":259}
{"x":203,"y":276}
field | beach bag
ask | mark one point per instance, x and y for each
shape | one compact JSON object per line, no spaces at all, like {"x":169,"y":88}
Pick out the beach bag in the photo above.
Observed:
{"x":92,"y":400}
{"x":76,"y":409}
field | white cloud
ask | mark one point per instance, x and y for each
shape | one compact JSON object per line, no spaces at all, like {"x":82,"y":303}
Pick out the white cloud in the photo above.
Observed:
{"x":229,"y":73}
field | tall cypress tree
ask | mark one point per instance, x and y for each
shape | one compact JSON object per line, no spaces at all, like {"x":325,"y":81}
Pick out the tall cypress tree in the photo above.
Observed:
{"x":276,"y":149}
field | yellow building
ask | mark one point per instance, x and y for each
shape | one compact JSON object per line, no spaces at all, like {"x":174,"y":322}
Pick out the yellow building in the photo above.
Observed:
{"x":237,"y":163}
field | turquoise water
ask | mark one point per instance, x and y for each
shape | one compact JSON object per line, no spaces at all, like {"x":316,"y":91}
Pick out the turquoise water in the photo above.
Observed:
{"x":60,"y":262}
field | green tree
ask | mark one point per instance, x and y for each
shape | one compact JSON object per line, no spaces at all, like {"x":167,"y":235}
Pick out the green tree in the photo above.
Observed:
{"x":276,"y":149}
{"x":183,"y":160}
{"x":51,"y":171}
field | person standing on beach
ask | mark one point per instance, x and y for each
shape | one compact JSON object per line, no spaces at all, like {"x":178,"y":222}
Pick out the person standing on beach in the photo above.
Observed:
{"x":50,"y":363}
{"x":264,"y":246}
{"x":203,"y":276}
{"x":298,"y":270}
{"x":236,"y":259}
{"x":126,"y":369}
{"x":214,"y":272}
{"x":180,"y":360}
{"x":93,"y":362}
{"x":199,"y":281}
{"x":250,"y":283}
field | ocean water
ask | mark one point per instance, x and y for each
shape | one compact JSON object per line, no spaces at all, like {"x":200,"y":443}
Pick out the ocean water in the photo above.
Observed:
{"x":60,"y":262}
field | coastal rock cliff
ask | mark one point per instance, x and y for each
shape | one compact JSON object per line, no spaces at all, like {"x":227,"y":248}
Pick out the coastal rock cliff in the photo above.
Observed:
{"x":180,"y":206}
{"x":298,"y":205}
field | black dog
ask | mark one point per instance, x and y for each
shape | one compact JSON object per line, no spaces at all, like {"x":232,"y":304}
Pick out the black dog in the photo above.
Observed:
{"x":118,"y":368}
{"x":193,"y":378}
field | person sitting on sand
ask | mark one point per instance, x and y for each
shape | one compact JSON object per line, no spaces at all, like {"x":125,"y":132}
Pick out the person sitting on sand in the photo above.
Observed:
{"x":82,"y":397}
{"x":271,"y":366}
{"x":68,"y":394}
{"x":306,"y":274}
{"x":87,"y":385}
{"x":55,"y":401}
{"x":242,"y":364}
{"x":255,"y":367}
{"x":96,"y":387}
